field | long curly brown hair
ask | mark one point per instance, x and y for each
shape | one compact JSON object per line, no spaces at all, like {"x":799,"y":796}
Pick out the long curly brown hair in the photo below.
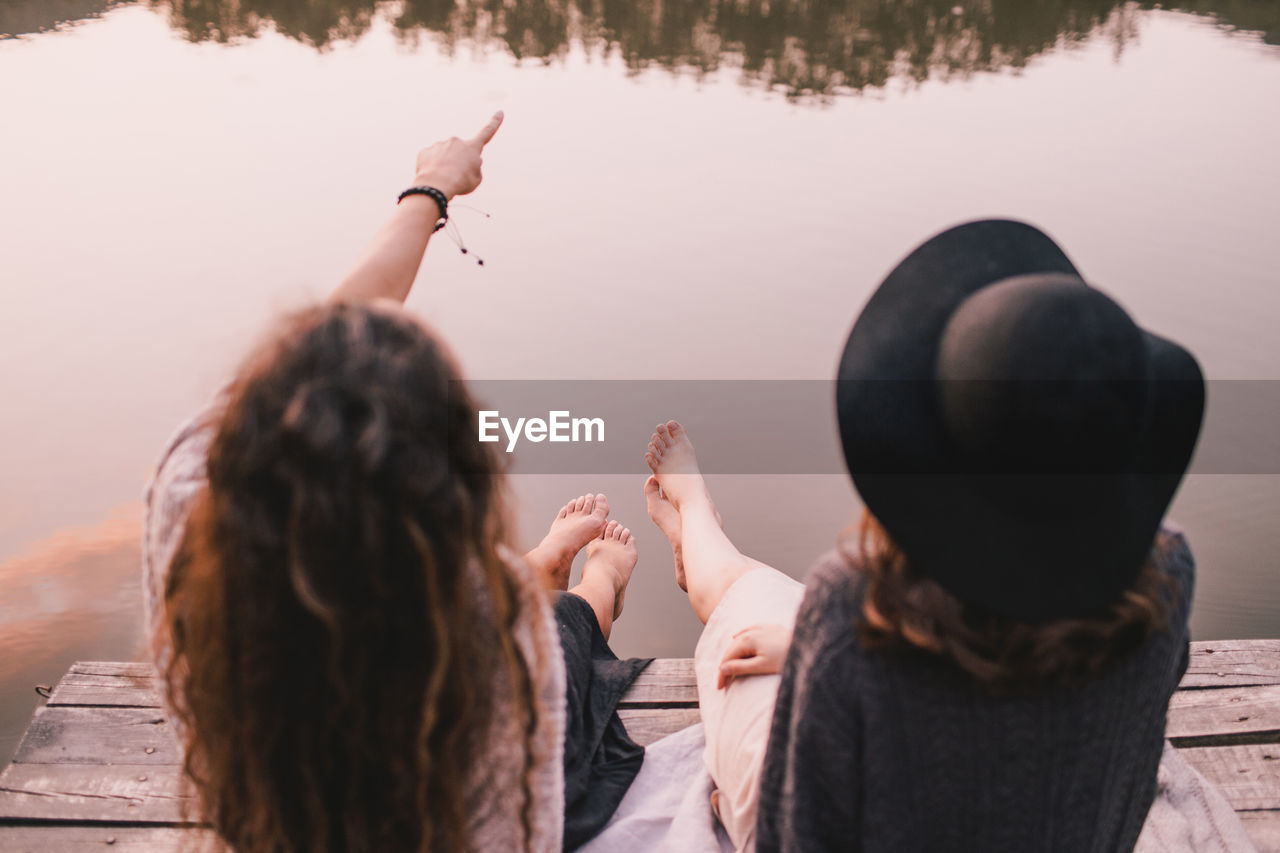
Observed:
{"x":338,"y":612}
{"x":904,"y":610}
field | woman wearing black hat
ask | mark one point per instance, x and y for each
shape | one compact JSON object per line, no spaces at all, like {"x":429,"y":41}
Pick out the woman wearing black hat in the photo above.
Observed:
{"x":987,"y":664}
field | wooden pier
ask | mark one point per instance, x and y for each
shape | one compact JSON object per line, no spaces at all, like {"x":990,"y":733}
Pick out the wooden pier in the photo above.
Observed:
{"x":98,"y":766}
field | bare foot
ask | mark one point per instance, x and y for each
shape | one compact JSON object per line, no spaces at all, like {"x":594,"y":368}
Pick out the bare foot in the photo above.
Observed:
{"x":579,"y":521}
{"x":671,"y":458}
{"x":611,"y":557}
{"x":667,"y":517}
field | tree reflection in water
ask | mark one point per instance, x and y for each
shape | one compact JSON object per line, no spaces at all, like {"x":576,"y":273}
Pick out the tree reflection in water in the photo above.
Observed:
{"x":802,"y":47}
{"x":799,"y":46}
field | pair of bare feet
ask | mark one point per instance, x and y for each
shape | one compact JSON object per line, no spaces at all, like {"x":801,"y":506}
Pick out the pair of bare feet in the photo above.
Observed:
{"x":611,"y":556}
{"x":675,"y":482}
{"x":678,"y":503}
{"x":706,"y":562}
{"x":675,"y":478}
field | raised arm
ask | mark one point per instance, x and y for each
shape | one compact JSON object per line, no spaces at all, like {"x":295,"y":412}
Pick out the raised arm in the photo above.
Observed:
{"x":390,"y":263}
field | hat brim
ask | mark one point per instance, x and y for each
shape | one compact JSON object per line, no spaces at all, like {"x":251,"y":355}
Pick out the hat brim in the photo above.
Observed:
{"x":953,"y":525}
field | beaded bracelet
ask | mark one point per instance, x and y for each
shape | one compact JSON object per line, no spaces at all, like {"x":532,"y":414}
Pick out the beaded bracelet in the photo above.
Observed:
{"x":436,"y":196}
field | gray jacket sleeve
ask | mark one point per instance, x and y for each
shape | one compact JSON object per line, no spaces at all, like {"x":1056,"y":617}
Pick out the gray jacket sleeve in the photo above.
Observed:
{"x":811,"y":790}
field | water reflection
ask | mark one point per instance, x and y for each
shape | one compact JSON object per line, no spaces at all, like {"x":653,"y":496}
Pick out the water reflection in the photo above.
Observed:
{"x":799,"y":47}
{"x":802,"y":48}
{"x":20,"y":17}
{"x":74,"y":596}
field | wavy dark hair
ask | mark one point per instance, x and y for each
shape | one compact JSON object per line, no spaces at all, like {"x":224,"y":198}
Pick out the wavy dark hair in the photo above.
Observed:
{"x":334,"y":647}
{"x":904,"y":610}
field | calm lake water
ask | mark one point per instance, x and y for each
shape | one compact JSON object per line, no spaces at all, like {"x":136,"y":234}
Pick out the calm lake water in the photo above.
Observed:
{"x":681,"y":190}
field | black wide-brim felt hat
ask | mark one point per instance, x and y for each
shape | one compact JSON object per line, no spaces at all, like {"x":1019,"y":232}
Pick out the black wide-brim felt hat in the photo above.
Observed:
{"x":1012,"y":429}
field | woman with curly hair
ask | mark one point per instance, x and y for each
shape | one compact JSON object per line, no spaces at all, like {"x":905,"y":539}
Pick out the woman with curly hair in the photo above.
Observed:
{"x":987,"y":661}
{"x":353,"y":658}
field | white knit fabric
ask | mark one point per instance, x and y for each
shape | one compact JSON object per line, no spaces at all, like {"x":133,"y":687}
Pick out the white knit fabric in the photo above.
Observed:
{"x":1190,"y":815}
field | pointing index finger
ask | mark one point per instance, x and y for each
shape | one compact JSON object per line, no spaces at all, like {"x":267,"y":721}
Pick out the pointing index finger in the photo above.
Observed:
{"x":486,"y":133}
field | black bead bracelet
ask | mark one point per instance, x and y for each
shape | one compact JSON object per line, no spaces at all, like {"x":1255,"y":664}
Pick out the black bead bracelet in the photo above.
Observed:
{"x":436,"y":196}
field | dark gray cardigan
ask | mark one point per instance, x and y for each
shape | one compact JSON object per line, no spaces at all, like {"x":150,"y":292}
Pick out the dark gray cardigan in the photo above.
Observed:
{"x":888,"y":751}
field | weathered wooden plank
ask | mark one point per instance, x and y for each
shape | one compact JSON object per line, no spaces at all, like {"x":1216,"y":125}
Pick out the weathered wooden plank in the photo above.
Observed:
{"x":1248,"y":775}
{"x":145,"y":793}
{"x":1214,"y":664}
{"x":1264,"y":828}
{"x":1237,"y":714}
{"x":98,"y":736}
{"x":1229,"y":715}
{"x":105,"y":736}
{"x":118,"y":691}
{"x":645,"y":725}
{"x":84,"y":755}
{"x":1233,"y":663}
{"x":1219,"y":663}
{"x":97,"y":667}
{"x":130,"y":793}
{"x":666,"y":681}
{"x":100,"y":839}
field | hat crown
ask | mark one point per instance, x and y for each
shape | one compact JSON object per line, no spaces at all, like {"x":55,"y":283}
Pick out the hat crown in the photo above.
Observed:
{"x":1042,"y":373}
{"x":1015,"y":433}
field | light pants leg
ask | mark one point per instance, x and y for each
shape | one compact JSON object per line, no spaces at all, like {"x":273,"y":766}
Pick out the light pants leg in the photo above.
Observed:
{"x":737,"y":719}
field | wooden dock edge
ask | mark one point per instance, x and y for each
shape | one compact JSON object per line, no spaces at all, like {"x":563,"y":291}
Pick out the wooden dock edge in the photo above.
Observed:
{"x":98,"y":766}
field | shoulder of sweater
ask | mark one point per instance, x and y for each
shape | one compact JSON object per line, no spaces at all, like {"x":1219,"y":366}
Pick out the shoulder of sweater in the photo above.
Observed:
{"x":1173,"y":555}
{"x":839,"y":579}
{"x":825,"y":623}
{"x":833,"y":572}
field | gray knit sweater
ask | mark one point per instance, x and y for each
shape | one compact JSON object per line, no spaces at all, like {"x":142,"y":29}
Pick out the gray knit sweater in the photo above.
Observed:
{"x":887,"y":751}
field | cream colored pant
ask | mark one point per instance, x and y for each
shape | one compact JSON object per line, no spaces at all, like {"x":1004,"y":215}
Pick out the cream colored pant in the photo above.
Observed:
{"x":737,"y":719}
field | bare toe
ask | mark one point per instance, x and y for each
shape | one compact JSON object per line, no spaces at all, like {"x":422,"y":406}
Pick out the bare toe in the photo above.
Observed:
{"x":675,"y":464}
{"x":651,"y":486}
{"x":573,"y":527}
{"x":612,"y":557}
